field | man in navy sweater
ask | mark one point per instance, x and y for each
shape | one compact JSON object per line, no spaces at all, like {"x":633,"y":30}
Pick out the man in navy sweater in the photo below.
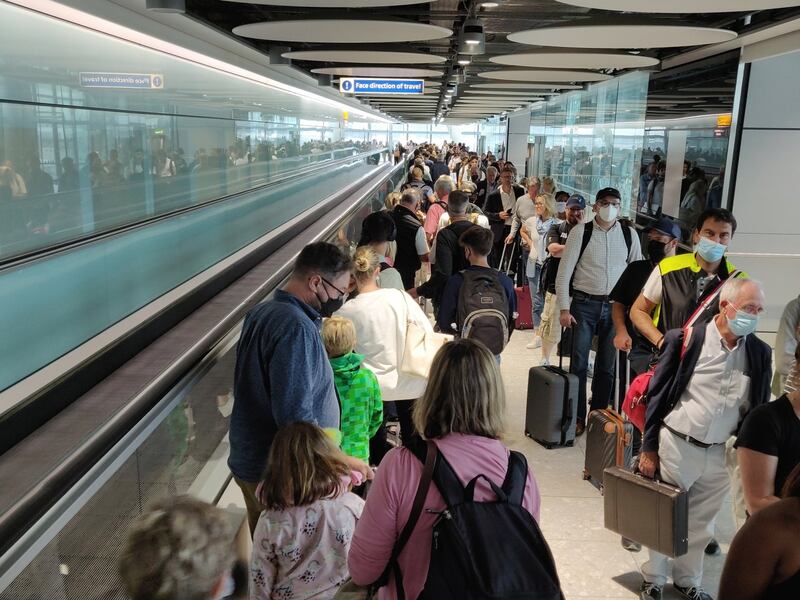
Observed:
{"x":705,"y":383}
{"x":282,"y":372}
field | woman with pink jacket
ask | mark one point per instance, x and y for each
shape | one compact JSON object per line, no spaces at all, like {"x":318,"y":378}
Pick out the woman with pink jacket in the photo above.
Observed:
{"x":462,"y":411}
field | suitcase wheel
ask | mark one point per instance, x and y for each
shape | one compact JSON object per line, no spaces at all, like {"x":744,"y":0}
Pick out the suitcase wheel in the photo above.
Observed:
{"x":586,"y":476}
{"x":527,"y":433}
{"x":548,"y":446}
{"x":570,"y":444}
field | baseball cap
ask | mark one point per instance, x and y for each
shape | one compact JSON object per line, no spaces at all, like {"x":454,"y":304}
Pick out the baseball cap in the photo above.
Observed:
{"x":576,"y":200}
{"x":609,"y":191}
{"x":666,"y":226}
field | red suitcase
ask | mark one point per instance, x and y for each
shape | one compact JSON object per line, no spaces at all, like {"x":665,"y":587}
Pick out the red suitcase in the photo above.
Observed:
{"x":524,"y":308}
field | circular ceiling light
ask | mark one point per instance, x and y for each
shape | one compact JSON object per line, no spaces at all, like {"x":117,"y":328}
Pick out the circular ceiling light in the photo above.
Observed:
{"x":496,"y":93}
{"x":342,"y":31}
{"x":534,"y":75}
{"x":334,"y":3}
{"x":628,"y":36}
{"x":575,"y":60}
{"x":365,"y":57}
{"x":683,"y":6}
{"x":525,"y":86}
{"x":376,"y":72}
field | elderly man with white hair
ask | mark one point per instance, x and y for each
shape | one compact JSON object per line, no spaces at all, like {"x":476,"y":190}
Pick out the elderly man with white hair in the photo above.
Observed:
{"x":708,"y":378}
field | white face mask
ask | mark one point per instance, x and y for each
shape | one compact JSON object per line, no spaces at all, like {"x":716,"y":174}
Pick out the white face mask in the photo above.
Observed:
{"x":608,"y":213}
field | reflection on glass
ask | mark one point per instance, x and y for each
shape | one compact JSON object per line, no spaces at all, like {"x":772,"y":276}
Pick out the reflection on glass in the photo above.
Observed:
{"x":590,"y":139}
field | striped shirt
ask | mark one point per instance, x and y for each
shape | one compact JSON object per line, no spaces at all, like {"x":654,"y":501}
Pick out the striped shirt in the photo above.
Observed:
{"x":601,"y":265}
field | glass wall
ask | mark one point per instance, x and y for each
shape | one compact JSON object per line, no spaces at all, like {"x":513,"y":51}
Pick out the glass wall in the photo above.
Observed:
{"x":436,"y":134}
{"x":492,"y":139}
{"x":80,"y":155}
{"x":590,"y":139}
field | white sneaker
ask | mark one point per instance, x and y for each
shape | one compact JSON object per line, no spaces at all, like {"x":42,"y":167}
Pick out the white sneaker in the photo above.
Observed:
{"x":535,"y":343}
{"x":545,"y":363}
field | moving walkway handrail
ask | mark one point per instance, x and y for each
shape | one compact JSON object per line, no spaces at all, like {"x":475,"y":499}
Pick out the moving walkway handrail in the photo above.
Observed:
{"x":66,"y":245}
{"x":27,"y":510}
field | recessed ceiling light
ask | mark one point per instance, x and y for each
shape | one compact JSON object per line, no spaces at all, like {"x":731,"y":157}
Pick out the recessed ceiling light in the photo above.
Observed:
{"x":463,"y":59}
{"x":489,"y":5}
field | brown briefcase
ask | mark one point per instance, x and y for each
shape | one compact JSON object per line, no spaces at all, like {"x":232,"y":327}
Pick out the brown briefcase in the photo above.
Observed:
{"x":653,"y":513}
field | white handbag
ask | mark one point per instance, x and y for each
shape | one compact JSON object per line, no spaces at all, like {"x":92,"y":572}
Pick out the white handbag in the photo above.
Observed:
{"x":420,"y":348}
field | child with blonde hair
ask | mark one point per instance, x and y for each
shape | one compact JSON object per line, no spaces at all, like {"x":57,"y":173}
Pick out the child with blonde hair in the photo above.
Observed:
{"x":302,"y":538}
{"x":357,"y":386}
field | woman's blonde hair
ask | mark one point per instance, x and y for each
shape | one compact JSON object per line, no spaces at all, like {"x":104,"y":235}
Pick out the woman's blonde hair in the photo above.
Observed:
{"x":304,"y":465}
{"x":548,"y":183}
{"x":465,"y":393}
{"x":365,"y":263}
{"x":339,"y":336}
{"x":549,"y":202}
{"x":177,"y":550}
{"x":392,"y":199}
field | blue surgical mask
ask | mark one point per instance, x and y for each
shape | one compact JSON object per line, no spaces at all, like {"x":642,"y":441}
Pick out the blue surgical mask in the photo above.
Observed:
{"x":710,"y":250}
{"x":561,"y":207}
{"x":743,"y":323}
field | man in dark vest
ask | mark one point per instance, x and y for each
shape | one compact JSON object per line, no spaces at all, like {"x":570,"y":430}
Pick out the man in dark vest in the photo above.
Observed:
{"x":412,"y":247}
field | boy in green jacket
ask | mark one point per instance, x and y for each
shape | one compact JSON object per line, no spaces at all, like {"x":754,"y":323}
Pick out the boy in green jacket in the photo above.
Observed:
{"x":357,"y":387}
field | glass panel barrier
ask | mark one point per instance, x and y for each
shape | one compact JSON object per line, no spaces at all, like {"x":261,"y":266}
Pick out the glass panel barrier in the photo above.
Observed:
{"x":186,"y":452}
{"x":91,"y":287}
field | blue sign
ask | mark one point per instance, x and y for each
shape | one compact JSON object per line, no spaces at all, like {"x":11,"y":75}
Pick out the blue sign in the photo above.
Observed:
{"x":371,"y":86}
{"x":136,"y":81}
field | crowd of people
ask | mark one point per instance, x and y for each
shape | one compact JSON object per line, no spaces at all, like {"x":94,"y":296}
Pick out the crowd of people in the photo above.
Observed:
{"x":335,"y":437}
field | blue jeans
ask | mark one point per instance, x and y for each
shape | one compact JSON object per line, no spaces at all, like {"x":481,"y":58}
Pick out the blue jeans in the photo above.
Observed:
{"x":537,"y":298}
{"x":593,"y":318}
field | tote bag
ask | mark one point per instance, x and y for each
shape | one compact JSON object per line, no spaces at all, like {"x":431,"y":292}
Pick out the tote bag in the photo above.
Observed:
{"x":421,"y":345}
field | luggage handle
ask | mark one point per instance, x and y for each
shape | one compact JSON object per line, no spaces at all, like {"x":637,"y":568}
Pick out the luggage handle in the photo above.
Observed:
{"x":566,"y":409}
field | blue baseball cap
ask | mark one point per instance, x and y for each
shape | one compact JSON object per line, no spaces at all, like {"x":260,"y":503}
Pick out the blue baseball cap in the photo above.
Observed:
{"x":666,"y":226}
{"x":576,"y":200}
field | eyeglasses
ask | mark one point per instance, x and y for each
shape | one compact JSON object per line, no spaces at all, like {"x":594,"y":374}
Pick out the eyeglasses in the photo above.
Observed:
{"x":750,"y":309}
{"x":608,"y":203}
{"x":341,"y":292}
{"x":538,"y":204}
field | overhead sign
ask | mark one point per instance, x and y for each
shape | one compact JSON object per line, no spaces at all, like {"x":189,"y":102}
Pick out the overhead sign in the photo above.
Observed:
{"x":136,"y":81}
{"x":367,"y":85}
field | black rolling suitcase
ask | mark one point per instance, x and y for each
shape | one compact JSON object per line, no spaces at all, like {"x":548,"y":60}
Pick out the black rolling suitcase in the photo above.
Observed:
{"x":552,"y":406}
{"x":609,"y":437}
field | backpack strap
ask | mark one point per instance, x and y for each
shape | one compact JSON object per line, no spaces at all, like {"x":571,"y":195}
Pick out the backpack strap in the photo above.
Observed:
{"x":516,"y":478}
{"x":427,"y":453}
{"x":626,"y":233}
{"x":587,"y":236}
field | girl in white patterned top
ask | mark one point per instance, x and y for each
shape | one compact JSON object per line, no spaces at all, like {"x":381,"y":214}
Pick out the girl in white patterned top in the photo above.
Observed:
{"x":302,"y":539}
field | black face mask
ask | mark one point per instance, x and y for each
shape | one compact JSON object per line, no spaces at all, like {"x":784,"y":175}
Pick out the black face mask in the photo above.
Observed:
{"x":331,"y":305}
{"x":656,"y":251}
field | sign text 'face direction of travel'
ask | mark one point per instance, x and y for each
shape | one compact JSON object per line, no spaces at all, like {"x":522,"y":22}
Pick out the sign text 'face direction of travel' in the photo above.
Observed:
{"x":355,"y":85}
{"x":134,"y":81}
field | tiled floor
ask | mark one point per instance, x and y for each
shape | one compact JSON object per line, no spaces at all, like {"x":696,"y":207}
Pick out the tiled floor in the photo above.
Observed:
{"x":591,"y":562}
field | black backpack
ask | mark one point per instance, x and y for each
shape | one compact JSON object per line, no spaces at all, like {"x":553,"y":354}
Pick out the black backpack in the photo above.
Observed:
{"x":483,"y":309}
{"x":479,"y":550}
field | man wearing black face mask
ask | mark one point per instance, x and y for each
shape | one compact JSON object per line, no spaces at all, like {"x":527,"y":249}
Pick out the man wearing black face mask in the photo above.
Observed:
{"x":282,"y":372}
{"x":662,"y":241}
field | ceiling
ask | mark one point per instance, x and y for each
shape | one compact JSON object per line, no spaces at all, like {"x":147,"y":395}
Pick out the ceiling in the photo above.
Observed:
{"x":548,"y":62}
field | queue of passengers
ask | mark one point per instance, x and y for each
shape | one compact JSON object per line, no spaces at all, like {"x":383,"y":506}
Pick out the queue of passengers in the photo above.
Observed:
{"x":336,"y":508}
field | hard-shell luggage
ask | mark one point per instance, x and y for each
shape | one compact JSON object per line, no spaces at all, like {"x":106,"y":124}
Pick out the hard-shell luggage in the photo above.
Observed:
{"x":552,"y":406}
{"x":653,"y":513}
{"x":609,"y":435}
{"x":609,"y":443}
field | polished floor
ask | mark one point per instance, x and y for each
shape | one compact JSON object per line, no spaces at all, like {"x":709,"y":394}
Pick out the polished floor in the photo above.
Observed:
{"x":591,"y":562}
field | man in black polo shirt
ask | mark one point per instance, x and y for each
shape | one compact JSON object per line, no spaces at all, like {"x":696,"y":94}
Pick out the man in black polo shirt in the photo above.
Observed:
{"x":662,"y":241}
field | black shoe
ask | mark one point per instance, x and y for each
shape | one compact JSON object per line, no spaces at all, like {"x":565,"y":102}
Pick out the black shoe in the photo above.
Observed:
{"x":630,"y":545}
{"x":579,"y":428}
{"x":692,"y":593}
{"x":650,"y":591}
{"x":712,"y":549}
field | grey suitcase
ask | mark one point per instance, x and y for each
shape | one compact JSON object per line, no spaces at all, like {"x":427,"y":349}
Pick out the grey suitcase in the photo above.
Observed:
{"x":653,"y":513}
{"x":609,"y":443}
{"x":552,"y":406}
